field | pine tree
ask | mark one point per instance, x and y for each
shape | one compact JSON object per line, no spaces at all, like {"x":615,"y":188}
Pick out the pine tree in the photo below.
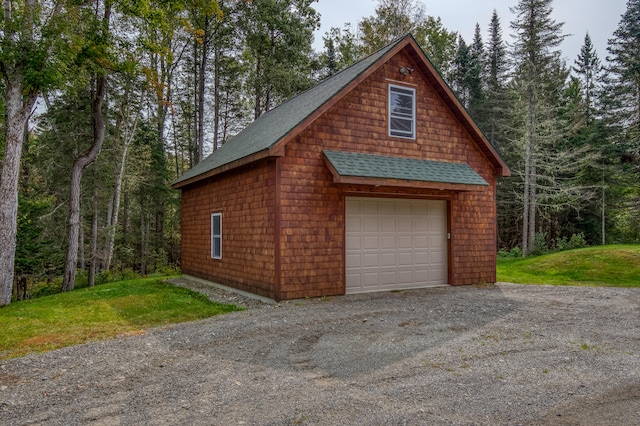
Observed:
{"x":461,"y":70}
{"x":494,"y":108}
{"x":536,"y":60}
{"x":623,"y":113}
{"x":588,"y":68}
{"x":475,"y":76}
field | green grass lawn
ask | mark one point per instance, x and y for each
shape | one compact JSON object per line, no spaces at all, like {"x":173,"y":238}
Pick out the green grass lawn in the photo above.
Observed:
{"x":97,"y":313}
{"x":613,"y":265}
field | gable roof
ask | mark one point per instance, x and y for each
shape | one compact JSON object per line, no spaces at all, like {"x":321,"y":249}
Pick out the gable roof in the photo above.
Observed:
{"x":268,"y":134}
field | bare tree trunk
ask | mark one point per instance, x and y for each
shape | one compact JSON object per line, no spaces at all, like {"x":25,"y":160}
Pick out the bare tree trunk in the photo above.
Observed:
{"x":529,"y":216}
{"x":76,"y":177}
{"x":116,"y":197}
{"x":216,"y":96}
{"x":17,"y":112}
{"x":82,"y":260}
{"x":604,"y":239}
{"x":201,"y":87}
{"x":94,"y":240}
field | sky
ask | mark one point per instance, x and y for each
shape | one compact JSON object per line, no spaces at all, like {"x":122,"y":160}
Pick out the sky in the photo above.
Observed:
{"x":599,"y":17}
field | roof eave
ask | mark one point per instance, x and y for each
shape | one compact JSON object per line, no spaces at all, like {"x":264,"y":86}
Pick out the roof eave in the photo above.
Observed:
{"x":265,"y":153}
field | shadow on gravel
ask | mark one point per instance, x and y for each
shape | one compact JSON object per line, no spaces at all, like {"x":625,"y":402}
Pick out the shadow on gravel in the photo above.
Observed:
{"x":348,"y":336}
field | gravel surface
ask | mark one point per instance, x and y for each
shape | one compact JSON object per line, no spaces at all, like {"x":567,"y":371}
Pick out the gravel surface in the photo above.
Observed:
{"x":497,"y":354}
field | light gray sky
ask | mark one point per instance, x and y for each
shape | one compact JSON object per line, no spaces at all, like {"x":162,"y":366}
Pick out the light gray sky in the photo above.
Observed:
{"x":599,"y":17}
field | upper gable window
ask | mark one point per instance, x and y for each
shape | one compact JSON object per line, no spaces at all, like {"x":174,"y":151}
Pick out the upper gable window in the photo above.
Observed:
{"x":402,"y":112}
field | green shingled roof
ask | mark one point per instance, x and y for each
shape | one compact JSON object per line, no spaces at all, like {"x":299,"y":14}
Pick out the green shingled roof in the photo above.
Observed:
{"x":383,"y":167}
{"x":274,"y":125}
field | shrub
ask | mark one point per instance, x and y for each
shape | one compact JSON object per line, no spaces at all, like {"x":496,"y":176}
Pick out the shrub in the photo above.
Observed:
{"x":540,"y":244}
{"x":46,"y":288}
{"x":577,"y":241}
{"x":514,"y":253}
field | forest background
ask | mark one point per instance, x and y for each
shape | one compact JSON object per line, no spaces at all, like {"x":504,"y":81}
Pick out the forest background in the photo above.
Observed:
{"x":106,"y":102}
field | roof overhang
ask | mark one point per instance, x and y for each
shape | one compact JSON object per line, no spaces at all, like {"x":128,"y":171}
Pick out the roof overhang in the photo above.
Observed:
{"x":229,"y":166}
{"x":380,"y":170}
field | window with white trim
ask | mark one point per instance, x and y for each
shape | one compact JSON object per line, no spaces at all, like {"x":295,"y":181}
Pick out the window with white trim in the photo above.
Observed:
{"x":216,"y":236}
{"x":402,"y":112}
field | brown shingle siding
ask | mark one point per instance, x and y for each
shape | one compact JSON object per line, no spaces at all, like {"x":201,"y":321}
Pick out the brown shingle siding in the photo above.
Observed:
{"x":247,"y":202}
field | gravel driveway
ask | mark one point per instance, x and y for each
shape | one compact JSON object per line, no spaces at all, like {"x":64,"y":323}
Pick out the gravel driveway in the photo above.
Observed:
{"x":503,"y":354}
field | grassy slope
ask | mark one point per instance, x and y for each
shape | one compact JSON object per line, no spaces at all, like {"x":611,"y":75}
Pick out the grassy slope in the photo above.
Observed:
{"x":614,"y":265}
{"x":104,"y":311}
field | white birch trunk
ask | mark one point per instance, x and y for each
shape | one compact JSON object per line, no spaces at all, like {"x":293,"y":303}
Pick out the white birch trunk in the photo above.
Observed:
{"x":17,"y":113}
{"x":116,"y":197}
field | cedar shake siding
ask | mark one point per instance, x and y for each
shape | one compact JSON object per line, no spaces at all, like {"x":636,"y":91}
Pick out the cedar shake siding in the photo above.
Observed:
{"x":283,"y":207}
{"x":246,"y":199}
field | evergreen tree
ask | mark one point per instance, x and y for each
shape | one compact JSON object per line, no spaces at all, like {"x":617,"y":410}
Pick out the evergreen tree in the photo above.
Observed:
{"x":536,"y":59}
{"x":589,"y":70}
{"x":493,"y":118}
{"x":623,"y":113}
{"x":461,"y":71}
{"x":341,"y":49}
{"x":475,"y":75}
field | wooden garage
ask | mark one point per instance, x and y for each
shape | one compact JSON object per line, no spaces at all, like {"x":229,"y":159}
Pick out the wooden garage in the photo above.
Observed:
{"x":375,"y":179}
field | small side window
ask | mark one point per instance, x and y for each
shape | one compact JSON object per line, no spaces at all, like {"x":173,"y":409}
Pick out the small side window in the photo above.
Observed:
{"x":216,"y":236}
{"x":402,"y":112}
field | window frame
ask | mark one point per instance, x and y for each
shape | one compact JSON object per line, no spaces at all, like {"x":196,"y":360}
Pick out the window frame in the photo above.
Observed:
{"x":399,"y":133}
{"x":216,"y":237}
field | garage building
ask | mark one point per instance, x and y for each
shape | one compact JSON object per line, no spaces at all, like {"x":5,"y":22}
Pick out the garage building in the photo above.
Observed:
{"x":376,"y":179}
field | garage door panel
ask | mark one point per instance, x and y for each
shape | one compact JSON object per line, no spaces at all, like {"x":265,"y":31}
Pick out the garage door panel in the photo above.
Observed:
{"x":404,"y":225}
{"x":388,"y":242}
{"x":395,"y":244}
{"x":404,"y":241}
{"x":405,"y":258}
{"x":420,"y":242}
{"x":353,"y":261}
{"x":420,"y":224}
{"x":405,"y":277}
{"x":388,"y":224}
{"x":370,"y":260}
{"x":388,"y":259}
{"x":353,"y":223}
{"x":388,"y":277}
{"x":369,"y":224}
{"x":421,"y":257}
{"x":353,"y":242}
{"x":370,"y":280}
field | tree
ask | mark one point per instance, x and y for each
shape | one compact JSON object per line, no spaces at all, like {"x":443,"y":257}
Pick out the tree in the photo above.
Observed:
{"x":493,"y":118}
{"x":278,"y":36}
{"x":537,"y":35}
{"x":461,"y":71}
{"x":96,"y":54}
{"x":341,"y":49}
{"x":438,"y":43}
{"x":589,"y":70}
{"x":392,"y":20}
{"x":623,"y":112}
{"x":475,"y":75}
{"x":36,"y":50}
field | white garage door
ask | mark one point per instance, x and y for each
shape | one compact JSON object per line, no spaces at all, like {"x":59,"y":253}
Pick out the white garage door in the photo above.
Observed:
{"x":395,"y":244}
